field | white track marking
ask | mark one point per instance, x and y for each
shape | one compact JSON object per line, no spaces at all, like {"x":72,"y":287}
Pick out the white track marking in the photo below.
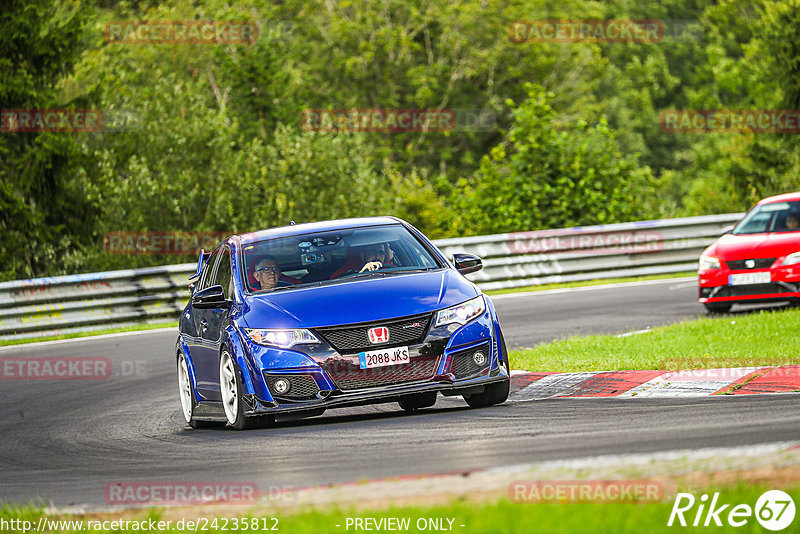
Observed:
{"x":699,"y":383}
{"x":557,"y":385}
{"x":37,"y":344}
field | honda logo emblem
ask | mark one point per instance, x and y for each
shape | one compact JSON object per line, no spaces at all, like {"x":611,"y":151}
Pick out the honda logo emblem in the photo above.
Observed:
{"x":379,"y":334}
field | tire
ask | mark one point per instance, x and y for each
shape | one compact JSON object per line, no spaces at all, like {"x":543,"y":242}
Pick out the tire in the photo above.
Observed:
{"x":496,"y":393}
{"x":412,"y":403}
{"x":718,"y":308}
{"x":187,"y":396}
{"x":503,"y":388}
{"x":230,"y":385}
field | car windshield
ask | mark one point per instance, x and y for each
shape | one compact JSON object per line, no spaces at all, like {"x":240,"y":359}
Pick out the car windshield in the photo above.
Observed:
{"x":774,"y":217}
{"x":329,"y":257}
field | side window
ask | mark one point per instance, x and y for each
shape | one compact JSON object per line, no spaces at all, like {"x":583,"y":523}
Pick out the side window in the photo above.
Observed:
{"x":223,"y":276}
{"x":205,"y":278}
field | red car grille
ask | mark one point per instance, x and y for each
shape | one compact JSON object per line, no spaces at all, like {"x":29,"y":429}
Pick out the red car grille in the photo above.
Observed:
{"x":751,"y":290}
{"x":758,"y":263}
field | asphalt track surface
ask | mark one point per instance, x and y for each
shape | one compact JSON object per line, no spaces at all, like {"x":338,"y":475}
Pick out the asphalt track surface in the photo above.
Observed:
{"x":64,"y":441}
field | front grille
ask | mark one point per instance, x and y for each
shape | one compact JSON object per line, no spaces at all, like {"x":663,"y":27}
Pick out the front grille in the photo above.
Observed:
{"x":353,"y":338}
{"x":346,"y":374}
{"x":302,"y":387}
{"x":749,"y":290}
{"x":463,"y":365}
{"x":758,"y":263}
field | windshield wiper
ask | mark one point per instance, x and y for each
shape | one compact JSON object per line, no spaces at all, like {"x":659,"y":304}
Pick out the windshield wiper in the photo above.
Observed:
{"x":401,"y":270}
{"x":366,"y":274}
{"x":295,"y":286}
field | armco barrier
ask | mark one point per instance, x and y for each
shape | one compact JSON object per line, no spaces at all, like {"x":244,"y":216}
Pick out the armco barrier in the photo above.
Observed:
{"x":590,"y":252}
{"x":77,"y":303}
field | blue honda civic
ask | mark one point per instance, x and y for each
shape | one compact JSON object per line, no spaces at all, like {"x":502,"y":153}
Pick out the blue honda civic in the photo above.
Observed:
{"x":302,"y":318}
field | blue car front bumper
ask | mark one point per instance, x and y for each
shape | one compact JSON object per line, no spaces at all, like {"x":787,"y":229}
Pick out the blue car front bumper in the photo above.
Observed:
{"x":443,"y":360}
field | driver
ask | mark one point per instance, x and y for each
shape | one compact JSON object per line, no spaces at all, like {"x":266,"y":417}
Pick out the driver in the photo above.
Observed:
{"x":792,"y":221}
{"x":373,"y":257}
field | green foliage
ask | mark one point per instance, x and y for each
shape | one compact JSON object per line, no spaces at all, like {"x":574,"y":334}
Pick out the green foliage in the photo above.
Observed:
{"x":549,"y":175}
{"x":704,"y":343}
{"x":44,"y":211}
{"x":206,"y":137}
{"x":752,"y":64}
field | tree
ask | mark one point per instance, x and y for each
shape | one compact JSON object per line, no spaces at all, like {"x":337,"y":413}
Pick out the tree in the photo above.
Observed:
{"x":545,"y":175}
{"x":45,"y":213}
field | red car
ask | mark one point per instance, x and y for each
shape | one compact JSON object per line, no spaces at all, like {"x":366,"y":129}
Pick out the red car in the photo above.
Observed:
{"x":758,"y":261}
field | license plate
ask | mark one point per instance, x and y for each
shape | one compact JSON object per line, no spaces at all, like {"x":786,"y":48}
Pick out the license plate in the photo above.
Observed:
{"x":383,"y":357}
{"x":749,"y":278}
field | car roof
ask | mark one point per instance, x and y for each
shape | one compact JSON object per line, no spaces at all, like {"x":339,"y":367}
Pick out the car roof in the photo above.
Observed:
{"x":321,"y":226}
{"x":787,"y":197}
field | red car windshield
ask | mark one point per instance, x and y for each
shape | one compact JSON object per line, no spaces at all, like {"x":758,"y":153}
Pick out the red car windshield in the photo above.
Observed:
{"x":774,"y":217}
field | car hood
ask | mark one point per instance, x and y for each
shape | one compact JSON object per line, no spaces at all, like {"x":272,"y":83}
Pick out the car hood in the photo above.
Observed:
{"x":741,"y":247}
{"x":357,"y":301}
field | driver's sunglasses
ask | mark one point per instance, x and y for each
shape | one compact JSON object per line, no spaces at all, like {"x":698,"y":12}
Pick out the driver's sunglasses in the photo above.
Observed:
{"x":274,"y":270}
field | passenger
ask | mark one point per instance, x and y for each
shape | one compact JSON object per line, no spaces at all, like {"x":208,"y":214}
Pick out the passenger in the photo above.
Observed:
{"x":267,"y":273}
{"x":792,"y":221}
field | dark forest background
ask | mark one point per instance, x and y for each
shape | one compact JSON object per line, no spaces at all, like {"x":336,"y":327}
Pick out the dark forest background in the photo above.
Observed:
{"x":209,"y":137}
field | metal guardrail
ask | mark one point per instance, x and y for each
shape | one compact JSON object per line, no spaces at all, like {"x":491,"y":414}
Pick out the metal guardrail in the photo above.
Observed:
{"x":78,"y":303}
{"x":590,"y":252}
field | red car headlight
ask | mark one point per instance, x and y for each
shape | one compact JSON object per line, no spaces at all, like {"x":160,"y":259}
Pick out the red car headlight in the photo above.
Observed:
{"x":708,"y":262}
{"x":791,"y":259}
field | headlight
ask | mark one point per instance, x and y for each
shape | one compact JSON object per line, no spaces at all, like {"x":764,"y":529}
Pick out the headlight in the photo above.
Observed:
{"x":791,"y":259}
{"x":707,"y":262}
{"x":461,"y":314}
{"x":280,"y":338}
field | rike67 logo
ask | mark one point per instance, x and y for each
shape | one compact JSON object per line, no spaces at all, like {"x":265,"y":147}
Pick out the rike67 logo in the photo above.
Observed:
{"x":774,"y":510}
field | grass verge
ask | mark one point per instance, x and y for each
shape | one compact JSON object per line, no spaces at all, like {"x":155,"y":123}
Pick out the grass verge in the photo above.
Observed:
{"x":767,"y":337}
{"x":586,"y":283}
{"x":502,"y":516}
{"x":132,"y":328}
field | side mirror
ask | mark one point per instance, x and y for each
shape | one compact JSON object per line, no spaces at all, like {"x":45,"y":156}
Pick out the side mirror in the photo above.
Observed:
{"x":210,"y":298}
{"x":728,"y":229}
{"x":200,"y":262}
{"x":467,"y":263}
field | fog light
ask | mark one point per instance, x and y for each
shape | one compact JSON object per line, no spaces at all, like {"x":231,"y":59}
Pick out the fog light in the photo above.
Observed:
{"x":479,"y":358}
{"x":281,"y":386}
